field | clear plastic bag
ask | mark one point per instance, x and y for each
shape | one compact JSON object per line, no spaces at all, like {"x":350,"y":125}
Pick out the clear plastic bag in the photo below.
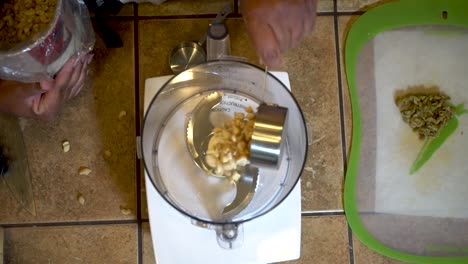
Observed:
{"x":39,"y":58}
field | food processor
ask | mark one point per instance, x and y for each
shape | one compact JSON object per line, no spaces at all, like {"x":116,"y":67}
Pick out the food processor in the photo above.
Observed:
{"x":187,"y":205}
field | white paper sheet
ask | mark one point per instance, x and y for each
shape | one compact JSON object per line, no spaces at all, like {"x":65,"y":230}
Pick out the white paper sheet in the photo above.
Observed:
{"x":420,"y":57}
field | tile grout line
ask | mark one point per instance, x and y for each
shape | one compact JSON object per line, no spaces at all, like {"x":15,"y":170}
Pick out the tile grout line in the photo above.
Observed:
{"x":342,"y":121}
{"x":136,"y":51}
{"x":340,"y":89}
{"x":139,"y":243}
{"x":200,"y":16}
{"x":322,"y":213}
{"x":236,"y":7}
{"x":137,"y":106}
{"x":73,"y":223}
{"x":351,"y":245}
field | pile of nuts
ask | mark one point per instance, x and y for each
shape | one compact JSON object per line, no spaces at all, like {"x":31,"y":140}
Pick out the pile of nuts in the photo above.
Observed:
{"x":19,"y":19}
{"x":426,"y":114}
{"x":228,"y":148}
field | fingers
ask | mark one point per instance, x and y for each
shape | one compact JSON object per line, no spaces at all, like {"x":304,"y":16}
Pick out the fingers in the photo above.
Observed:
{"x":275,"y":26}
{"x":297,"y":34}
{"x":83,"y":75}
{"x":64,"y":76}
{"x":265,"y":42}
{"x":67,"y":84}
{"x":80,"y":83}
{"x":77,"y":71}
{"x":309,"y":20}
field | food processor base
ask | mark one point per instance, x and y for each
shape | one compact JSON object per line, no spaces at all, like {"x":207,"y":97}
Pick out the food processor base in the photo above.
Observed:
{"x":273,"y":237}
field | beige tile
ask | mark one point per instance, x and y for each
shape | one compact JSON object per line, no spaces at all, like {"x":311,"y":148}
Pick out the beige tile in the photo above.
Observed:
{"x":2,"y":232}
{"x":148,"y":250}
{"x":158,"y":37}
{"x":325,"y":5}
{"x":313,"y":75}
{"x":144,"y":202}
{"x":155,"y":48}
{"x":127,"y":10}
{"x":358,"y":5}
{"x":344,"y":24}
{"x":312,"y":70}
{"x":79,"y":244}
{"x":364,"y":255}
{"x":324,"y":240}
{"x":90,"y":123}
{"x":183,"y":7}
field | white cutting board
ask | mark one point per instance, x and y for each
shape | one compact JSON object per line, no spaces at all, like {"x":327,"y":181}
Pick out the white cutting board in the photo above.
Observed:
{"x":440,"y":188}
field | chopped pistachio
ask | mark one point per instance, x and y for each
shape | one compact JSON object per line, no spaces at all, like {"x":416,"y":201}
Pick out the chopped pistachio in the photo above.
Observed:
{"x":426,"y":114}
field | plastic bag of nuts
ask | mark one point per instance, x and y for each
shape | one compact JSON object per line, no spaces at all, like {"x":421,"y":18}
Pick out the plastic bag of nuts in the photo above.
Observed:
{"x":37,"y":37}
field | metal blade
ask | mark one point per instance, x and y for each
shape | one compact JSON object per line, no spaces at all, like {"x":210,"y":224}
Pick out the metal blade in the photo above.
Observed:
{"x":245,"y":190}
{"x":17,"y":175}
{"x":199,"y":128}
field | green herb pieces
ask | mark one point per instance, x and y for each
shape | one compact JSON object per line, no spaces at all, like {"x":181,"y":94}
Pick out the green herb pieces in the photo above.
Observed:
{"x":426,"y":114}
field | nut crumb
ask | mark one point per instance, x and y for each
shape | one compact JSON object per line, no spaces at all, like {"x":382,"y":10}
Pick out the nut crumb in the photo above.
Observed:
{"x":84,"y":170}
{"x":107,"y":153}
{"x":228,"y":148}
{"x":122,"y":114}
{"x":80,"y":198}
{"x":427,"y":113}
{"x":66,"y":146}
{"x":125,"y":210}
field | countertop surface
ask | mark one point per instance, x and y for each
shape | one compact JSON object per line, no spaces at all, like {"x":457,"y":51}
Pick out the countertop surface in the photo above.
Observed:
{"x":101,"y":124}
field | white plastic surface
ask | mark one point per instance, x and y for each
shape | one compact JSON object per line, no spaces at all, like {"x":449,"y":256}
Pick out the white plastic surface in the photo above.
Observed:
{"x":271,"y":238}
{"x":405,"y":58}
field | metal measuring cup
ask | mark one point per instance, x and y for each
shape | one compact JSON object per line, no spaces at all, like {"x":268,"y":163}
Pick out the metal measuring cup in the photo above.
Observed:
{"x":268,"y":136}
{"x":190,"y":53}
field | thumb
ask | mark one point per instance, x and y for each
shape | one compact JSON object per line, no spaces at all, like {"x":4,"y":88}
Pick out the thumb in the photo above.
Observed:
{"x":265,"y":42}
{"x":47,"y":85}
{"x":63,"y":77}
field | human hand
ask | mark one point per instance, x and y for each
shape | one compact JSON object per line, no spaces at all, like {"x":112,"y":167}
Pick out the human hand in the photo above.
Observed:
{"x":67,"y":84}
{"x":274,"y":26}
{"x":44,"y":100}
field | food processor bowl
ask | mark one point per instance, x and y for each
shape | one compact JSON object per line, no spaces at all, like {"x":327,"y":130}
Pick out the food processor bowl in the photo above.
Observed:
{"x":170,"y":164}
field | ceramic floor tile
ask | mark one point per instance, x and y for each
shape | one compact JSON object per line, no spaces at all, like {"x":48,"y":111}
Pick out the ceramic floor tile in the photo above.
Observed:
{"x":1,"y":245}
{"x":80,"y":244}
{"x":158,"y":37}
{"x":358,"y":5}
{"x":312,"y":70}
{"x":99,"y":140}
{"x":344,"y":24}
{"x":144,"y":202}
{"x":154,"y":50}
{"x":127,"y":10}
{"x":183,"y":7}
{"x":313,"y":75}
{"x":324,"y":240}
{"x":325,"y":5}
{"x":364,"y":255}
{"x":148,"y":250}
